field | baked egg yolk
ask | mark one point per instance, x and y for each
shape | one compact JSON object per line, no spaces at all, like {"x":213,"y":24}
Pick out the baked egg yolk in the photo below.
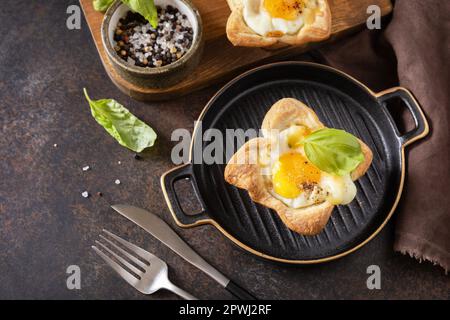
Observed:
{"x":292,"y":173}
{"x":284,"y":9}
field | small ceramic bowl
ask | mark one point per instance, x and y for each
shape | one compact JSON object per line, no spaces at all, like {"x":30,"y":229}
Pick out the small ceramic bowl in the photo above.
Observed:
{"x":157,"y":77}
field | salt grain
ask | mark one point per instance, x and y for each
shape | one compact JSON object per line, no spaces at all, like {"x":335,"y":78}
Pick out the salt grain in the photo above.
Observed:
{"x":86,"y":168}
{"x":85,"y":194}
{"x":117,"y":182}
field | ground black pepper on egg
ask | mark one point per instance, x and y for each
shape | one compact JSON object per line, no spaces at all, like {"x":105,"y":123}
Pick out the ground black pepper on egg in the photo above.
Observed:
{"x":139,"y":44}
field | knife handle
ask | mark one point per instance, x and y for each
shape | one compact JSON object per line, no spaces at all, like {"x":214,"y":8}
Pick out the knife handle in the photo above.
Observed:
{"x":239,"y":292}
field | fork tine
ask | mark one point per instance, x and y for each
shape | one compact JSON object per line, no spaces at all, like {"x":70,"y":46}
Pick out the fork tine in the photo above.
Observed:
{"x":128,"y":277}
{"x":139,"y":251}
{"x":121,"y":260}
{"x":125,"y":253}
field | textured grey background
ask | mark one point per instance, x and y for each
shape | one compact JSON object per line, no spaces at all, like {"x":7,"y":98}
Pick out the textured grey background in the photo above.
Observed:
{"x":45,"y":224}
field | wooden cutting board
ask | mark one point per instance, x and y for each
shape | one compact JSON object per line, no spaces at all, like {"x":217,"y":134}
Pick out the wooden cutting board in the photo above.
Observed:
{"x":221,"y":60}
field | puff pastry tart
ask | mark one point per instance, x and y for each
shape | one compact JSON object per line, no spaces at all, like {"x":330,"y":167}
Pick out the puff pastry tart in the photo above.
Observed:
{"x":299,"y":168}
{"x":272,"y":23}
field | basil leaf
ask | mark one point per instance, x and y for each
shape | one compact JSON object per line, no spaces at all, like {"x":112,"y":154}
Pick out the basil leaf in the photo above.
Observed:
{"x":145,"y":8}
{"x":120,"y":123}
{"x":333,"y":151}
{"x":102,"y":5}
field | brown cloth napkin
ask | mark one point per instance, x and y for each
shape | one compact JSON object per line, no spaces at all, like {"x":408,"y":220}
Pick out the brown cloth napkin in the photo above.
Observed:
{"x":414,"y":51}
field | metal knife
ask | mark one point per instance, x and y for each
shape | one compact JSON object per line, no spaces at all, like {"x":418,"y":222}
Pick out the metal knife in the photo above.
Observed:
{"x":164,"y":233}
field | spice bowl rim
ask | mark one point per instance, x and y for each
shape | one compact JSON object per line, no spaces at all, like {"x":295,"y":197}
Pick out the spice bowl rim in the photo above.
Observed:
{"x":145,"y":71}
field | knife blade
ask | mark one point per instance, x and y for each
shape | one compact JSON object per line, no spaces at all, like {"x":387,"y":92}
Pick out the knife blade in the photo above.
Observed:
{"x":164,"y":233}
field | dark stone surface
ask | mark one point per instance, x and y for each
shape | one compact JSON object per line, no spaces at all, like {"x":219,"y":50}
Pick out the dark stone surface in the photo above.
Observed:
{"x":45,"y":224}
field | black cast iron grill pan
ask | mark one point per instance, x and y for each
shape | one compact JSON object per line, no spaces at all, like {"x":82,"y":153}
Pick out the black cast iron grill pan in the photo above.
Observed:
{"x":340,"y":102}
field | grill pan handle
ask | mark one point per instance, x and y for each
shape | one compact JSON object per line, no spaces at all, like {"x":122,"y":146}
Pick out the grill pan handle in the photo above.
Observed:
{"x":421,"y":125}
{"x":168,"y":181}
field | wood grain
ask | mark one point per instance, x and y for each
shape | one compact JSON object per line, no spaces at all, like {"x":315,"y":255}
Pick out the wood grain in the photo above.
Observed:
{"x":221,"y":60}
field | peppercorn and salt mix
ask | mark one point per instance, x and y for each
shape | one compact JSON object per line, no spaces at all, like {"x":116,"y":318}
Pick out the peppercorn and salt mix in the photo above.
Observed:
{"x":138,"y":43}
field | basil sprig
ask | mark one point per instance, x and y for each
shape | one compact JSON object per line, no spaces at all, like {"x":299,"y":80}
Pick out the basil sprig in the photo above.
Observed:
{"x":145,"y":8}
{"x":120,"y":123}
{"x":334,"y":151}
{"x":102,"y":5}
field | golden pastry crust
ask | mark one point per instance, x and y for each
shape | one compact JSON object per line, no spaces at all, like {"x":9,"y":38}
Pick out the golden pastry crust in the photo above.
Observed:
{"x":287,"y":112}
{"x":240,"y":34}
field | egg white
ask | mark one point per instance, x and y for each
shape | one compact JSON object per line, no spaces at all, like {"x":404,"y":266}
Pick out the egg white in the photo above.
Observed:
{"x":334,"y":189}
{"x":260,"y":21}
{"x":287,"y":26}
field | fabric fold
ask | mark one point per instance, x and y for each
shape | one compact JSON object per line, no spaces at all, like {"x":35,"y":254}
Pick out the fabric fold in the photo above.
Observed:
{"x":413,"y":51}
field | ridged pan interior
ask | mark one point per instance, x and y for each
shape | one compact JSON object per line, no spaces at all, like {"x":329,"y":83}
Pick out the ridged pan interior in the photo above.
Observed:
{"x":339,"y":103}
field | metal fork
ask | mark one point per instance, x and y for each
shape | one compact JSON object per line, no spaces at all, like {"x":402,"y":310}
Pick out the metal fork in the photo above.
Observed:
{"x":148,"y":272}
